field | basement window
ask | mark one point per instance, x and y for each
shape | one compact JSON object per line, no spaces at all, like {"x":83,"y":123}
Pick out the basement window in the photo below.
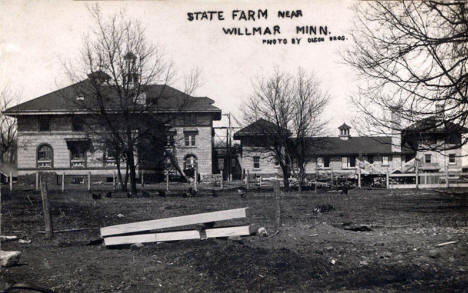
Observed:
{"x":78,"y":180}
{"x":452,"y":159}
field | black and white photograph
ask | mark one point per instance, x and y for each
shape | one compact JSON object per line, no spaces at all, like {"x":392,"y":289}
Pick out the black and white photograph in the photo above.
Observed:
{"x":233,"y":146}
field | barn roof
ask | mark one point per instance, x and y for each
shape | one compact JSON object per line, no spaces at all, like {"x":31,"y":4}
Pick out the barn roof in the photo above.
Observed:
{"x":352,"y":146}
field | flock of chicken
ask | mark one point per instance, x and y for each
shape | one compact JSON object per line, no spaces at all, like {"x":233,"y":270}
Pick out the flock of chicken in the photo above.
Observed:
{"x":190,"y":192}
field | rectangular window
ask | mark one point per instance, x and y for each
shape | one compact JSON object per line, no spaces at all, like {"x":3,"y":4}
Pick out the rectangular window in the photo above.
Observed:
{"x":44,"y":124}
{"x":170,"y":140}
{"x":77,"y":124}
{"x":109,"y":157}
{"x":320,"y":162}
{"x":344,"y":162}
{"x":78,"y":158}
{"x":78,"y":180}
{"x":385,"y":160}
{"x":352,"y":161}
{"x":370,"y":159}
{"x":427,"y":158}
{"x":326,"y":162}
{"x":256,"y":162}
{"x":189,"y":139}
{"x":452,"y":159}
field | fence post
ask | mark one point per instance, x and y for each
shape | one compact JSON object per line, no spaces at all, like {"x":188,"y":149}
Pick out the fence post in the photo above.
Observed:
{"x":167,"y":180}
{"x":417,"y":174}
{"x":113,"y":180}
{"x":11,"y":182}
{"x":278,"y":204}
{"x":222,"y":179}
{"x":316,"y":178}
{"x":63,"y":181}
{"x":446,"y":177}
{"x":359,"y":176}
{"x":142,"y":178}
{"x":332,"y":179}
{"x":388,"y":179}
{"x":49,"y":232}
{"x":89,"y":181}
{"x":37,"y":180}
{"x":247,"y":179}
{"x":195,"y":180}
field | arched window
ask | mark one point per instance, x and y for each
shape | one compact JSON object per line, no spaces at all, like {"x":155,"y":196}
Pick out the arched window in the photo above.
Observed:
{"x":190,"y":162}
{"x":45,"y":156}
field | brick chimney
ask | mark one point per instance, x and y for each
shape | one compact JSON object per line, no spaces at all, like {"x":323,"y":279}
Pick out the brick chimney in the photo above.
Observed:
{"x":395,"y":124}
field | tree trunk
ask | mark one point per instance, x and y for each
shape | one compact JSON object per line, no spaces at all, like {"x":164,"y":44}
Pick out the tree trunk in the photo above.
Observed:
{"x":286,"y":177}
{"x":131,"y":167}
{"x":176,"y":165}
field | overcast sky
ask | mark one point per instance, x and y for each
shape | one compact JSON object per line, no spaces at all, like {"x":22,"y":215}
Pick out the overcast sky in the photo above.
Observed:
{"x":36,"y":36}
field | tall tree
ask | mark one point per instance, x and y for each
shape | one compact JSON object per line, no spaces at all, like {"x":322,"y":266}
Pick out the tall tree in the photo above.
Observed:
{"x":126,"y":89}
{"x":293,"y":104}
{"x":412,"y":56}
{"x":8,"y":126}
{"x":309,"y":102}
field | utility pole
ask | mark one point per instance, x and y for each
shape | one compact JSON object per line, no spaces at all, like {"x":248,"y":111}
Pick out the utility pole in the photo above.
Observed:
{"x":229,"y":149}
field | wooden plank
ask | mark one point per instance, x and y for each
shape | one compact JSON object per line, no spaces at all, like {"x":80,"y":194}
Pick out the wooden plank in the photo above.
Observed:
{"x":173,"y":222}
{"x":177,"y":235}
{"x":228,"y":231}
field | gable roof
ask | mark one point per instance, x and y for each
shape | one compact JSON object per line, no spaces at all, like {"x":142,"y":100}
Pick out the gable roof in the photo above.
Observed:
{"x":261,"y":127}
{"x":351,"y":146}
{"x":434,"y":124}
{"x":63,"y":100}
{"x":344,"y":126}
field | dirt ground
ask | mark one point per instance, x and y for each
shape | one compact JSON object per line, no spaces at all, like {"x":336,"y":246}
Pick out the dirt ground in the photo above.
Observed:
{"x":314,"y":252}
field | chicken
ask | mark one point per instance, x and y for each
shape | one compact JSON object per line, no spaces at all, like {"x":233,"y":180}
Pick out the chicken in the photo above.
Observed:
{"x":96,"y":196}
{"x":242,"y":191}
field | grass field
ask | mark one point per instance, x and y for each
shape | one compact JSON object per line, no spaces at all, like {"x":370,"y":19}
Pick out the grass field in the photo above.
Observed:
{"x":314,"y":251}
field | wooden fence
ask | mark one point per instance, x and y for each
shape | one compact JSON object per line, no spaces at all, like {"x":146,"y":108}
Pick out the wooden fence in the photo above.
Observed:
{"x":427,"y":180}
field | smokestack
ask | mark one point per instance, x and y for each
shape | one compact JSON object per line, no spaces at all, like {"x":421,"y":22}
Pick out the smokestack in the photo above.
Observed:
{"x":440,"y":112}
{"x":395,"y":124}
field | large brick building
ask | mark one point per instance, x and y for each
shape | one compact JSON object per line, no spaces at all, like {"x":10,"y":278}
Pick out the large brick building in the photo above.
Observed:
{"x":52,"y":133}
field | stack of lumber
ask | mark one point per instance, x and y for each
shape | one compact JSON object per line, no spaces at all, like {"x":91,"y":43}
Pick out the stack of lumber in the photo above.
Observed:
{"x":119,"y":234}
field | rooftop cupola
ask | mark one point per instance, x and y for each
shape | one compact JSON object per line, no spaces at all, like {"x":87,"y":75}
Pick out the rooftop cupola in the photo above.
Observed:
{"x":344,"y":131}
{"x":131,"y":75}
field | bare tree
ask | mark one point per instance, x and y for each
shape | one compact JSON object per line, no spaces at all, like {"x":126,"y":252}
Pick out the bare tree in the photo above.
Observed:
{"x":126,"y":91}
{"x":8,"y":126}
{"x":309,"y":102}
{"x":293,"y":104}
{"x":411,"y":56}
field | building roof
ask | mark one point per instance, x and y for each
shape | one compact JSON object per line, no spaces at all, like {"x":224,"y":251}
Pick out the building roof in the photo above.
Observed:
{"x":344,"y":126}
{"x":351,"y":146}
{"x":434,"y":124}
{"x":64,"y":100}
{"x":259,"y":128}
